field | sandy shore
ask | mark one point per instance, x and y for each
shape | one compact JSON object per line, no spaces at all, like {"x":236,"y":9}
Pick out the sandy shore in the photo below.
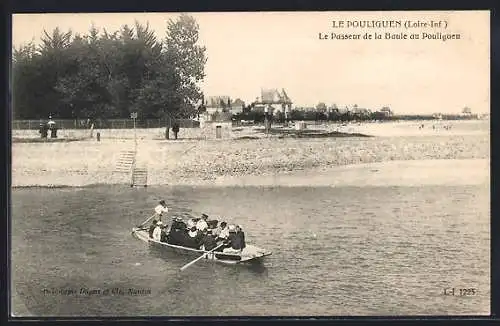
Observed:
{"x":210,"y":162}
{"x":393,"y":173}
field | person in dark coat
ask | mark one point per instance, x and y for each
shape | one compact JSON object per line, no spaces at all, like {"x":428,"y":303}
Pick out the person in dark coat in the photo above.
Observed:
{"x":234,"y":240}
{"x":193,"y":238}
{"x":152,"y":228}
{"x":209,"y":241}
{"x":241,"y":235}
{"x":178,"y":232}
{"x":163,"y":234}
{"x":175,"y":129}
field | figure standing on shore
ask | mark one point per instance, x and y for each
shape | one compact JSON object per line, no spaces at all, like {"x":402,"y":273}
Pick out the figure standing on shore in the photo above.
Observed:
{"x":53,"y":128}
{"x":43,"y":130}
{"x":175,"y":129}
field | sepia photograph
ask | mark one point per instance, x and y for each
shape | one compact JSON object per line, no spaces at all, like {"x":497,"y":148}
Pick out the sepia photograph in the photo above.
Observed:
{"x":220,"y":164}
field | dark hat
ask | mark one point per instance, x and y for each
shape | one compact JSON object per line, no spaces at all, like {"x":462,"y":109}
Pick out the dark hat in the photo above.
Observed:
{"x":162,"y":202}
{"x":155,"y":221}
{"x":204,"y":216}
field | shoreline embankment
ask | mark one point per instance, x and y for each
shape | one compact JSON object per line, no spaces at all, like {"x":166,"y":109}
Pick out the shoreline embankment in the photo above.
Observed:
{"x":265,"y":160}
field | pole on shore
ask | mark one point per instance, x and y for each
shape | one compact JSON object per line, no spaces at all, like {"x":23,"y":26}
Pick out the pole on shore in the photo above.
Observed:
{"x":133,"y":116}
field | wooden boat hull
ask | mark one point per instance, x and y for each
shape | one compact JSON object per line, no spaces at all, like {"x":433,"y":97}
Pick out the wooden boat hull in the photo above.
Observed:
{"x":251,"y":254}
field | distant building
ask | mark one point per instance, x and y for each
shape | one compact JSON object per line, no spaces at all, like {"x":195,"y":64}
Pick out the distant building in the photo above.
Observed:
{"x":218,"y":103}
{"x":223,"y":103}
{"x":466,"y":112}
{"x":237,"y":106}
{"x":360,"y":111}
{"x":386,"y":111}
{"x":274,"y":101}
{"x":343,"y":110}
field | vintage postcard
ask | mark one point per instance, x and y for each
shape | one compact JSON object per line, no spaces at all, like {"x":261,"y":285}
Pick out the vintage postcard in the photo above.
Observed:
{"x":251,"y":164}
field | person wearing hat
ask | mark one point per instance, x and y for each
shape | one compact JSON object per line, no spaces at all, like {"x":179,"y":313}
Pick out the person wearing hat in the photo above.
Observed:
{"x":160,"y":209}
{"x":222,"y":231}
{"x":193,"y":239}
{"x":234,"y":240}
{"x":190,"y":224}
{"x":52,"y":127}
{"x":202,"y":224}
{"x":157,"y":231}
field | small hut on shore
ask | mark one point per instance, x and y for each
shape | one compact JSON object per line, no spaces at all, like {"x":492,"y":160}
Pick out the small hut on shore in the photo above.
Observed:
{"x":217,"y":125}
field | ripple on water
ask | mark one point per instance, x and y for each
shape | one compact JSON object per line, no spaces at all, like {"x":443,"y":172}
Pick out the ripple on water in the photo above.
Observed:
{"x":345,"y":250}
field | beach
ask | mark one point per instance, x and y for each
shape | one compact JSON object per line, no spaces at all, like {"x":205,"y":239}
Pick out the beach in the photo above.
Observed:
{"x":208,"y":162}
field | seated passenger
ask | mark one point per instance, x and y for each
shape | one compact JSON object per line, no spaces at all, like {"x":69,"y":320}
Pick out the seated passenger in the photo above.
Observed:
{"x":157,"y":231}
{"x":178,"y":224}
{"x":177,"y":237}
{"x":209,"y":241}
{"x":212,"y":224}
{"x":222,"y":231}
{"x":202,"y":224}
{"x":163,"y":234}
{"x":235,"y":240}
{"x":190,"y":224}
{"x":152,"y":228}
{"x":241,"y":235}
{"x":192,"y":239}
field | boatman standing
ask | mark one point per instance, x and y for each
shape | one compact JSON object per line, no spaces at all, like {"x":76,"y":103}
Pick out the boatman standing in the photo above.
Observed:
{"x":160,"y":209}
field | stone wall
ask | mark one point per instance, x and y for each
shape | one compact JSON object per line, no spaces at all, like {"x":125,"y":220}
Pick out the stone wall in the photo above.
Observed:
{"x":209,"y":129}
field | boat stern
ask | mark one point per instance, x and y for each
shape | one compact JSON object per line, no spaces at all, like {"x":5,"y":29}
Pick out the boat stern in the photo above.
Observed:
{"x":252,"y":253}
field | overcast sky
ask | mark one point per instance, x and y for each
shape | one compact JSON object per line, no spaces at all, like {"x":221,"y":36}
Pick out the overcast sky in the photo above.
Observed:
{"x":250,"y":51}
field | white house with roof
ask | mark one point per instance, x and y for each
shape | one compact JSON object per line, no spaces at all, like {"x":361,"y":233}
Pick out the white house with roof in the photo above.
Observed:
{"x":387,"y":111}
{"x":273,"y":101}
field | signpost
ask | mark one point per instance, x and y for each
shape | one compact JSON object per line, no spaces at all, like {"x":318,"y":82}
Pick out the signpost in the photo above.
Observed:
{"x":133,"y":116}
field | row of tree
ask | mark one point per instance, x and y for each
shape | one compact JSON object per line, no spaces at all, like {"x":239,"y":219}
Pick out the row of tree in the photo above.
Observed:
{"x":297,"y":115}
{"x":103,"y":75}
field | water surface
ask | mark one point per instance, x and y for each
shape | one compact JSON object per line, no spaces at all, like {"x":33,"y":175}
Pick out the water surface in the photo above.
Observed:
{"x":371,"y":250}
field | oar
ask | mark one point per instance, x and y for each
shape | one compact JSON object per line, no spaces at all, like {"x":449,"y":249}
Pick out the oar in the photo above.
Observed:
{"x":194,"y":261}
{"x":146,"y":221}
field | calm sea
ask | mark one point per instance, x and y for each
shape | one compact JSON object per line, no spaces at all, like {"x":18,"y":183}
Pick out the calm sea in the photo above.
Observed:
{"x":336,"y":251}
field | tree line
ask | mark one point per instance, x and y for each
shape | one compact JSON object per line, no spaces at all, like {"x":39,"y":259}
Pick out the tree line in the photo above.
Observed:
{"x":105,"y":75}
{"x":297,"y":115}
{"x":300,"y":115}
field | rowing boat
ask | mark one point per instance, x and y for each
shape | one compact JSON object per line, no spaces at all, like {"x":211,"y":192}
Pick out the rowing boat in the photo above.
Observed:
{"x":250,"y":254}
